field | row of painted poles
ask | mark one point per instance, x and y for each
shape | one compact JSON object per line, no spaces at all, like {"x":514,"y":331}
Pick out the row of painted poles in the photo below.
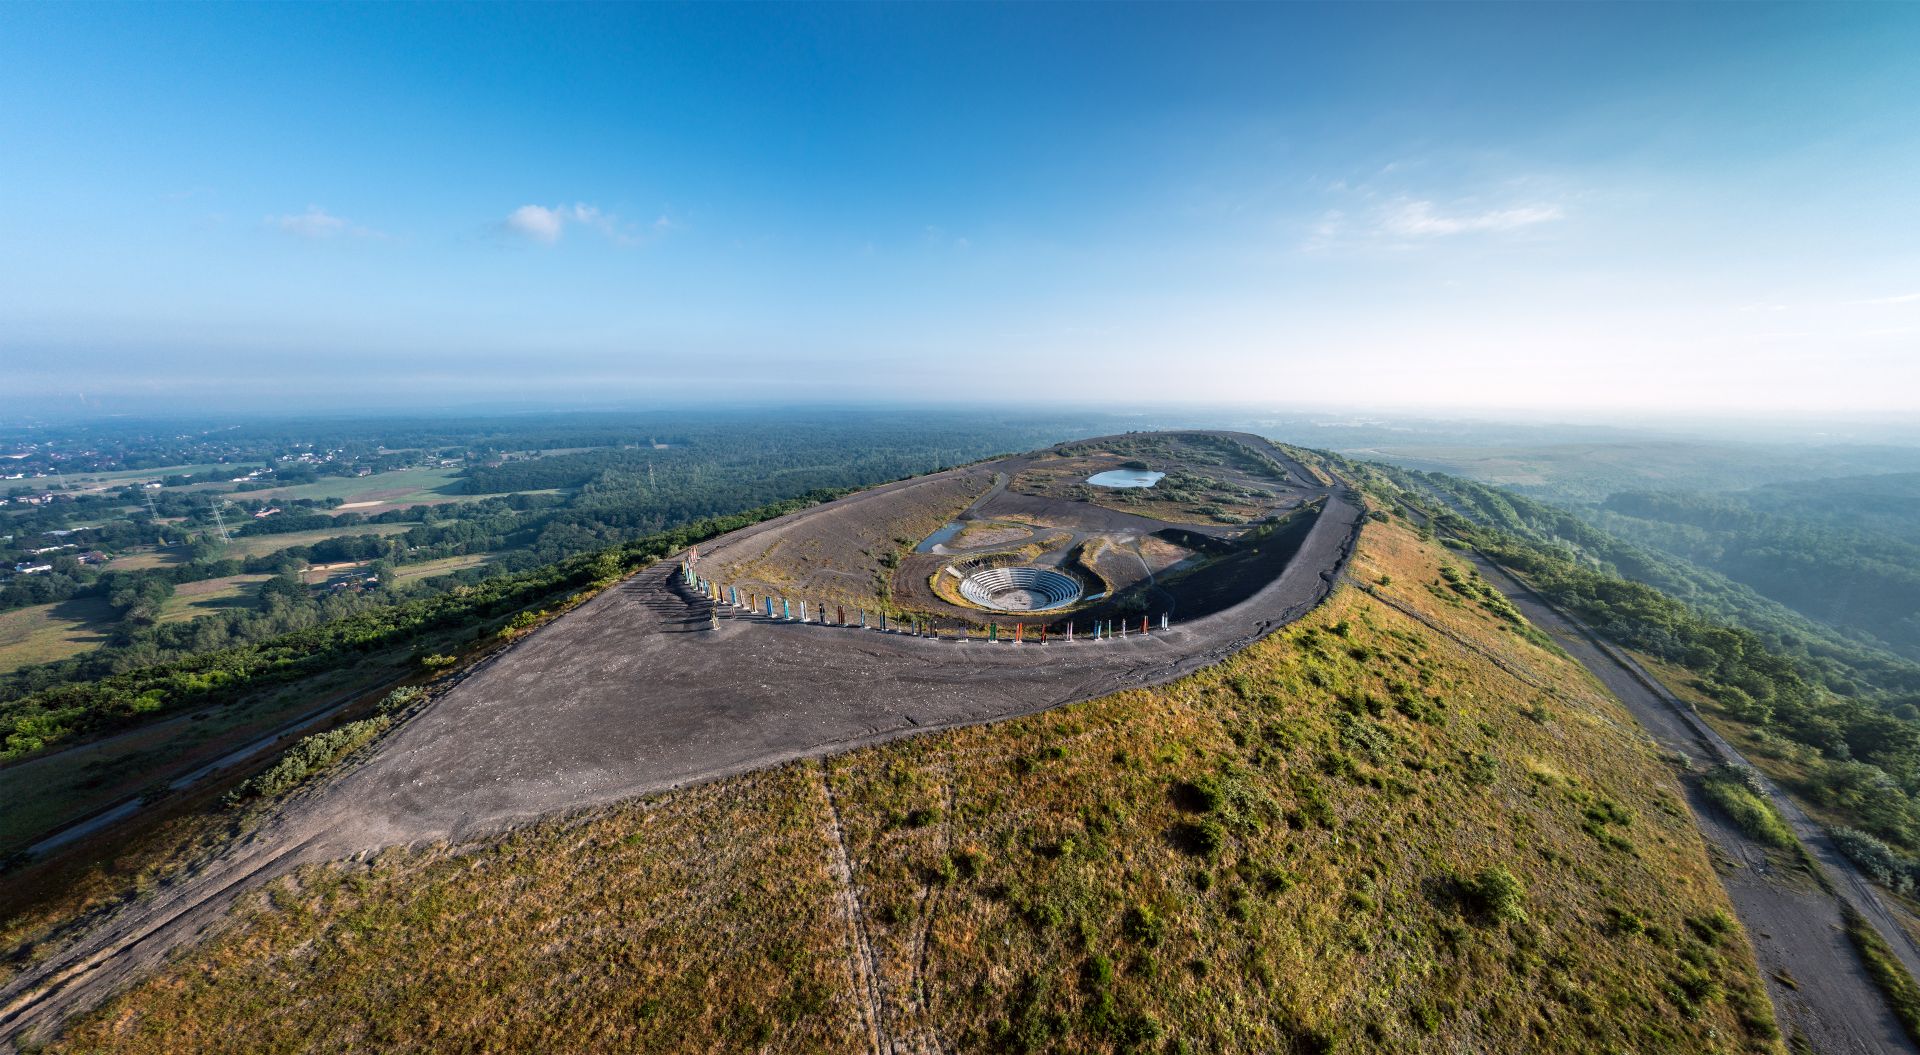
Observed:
{"x":1103,"y":629}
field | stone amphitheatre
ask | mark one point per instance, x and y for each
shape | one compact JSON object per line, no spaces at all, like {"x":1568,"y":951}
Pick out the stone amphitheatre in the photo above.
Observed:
{"x":654,"y":684}
{"x":1197,"y":523}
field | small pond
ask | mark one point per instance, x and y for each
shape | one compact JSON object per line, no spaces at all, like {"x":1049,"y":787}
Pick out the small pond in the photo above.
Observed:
{"x":939,"y":537}
{"x":1126,"y":478}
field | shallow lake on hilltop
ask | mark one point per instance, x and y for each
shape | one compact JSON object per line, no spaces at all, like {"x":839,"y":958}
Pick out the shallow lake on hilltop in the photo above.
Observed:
{"x":1126,"y":478}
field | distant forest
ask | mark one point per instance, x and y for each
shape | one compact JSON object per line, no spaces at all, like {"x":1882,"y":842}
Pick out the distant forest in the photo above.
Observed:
{"x":1845,"y":552}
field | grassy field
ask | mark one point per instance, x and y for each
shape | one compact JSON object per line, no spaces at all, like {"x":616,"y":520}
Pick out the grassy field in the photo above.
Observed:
{"x":1362,"y":834}
{"x":209,"y":596}
{"x":261,"y":545}
{"x":121,"y":476}
{"x":407,"y":573}
{"x":372,"y":494}
{"x":149,"y":557}
{"x":46,"y":632}
{"x":251,"y":545}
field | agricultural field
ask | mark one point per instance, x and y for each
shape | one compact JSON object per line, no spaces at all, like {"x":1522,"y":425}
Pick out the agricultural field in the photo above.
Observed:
{"x":211,"y":596}
{"x":407,"y":573}
{"x":261,"y":545}
{"x":47,"y":632}
{"x":147,"y":557}
{"x":119,"y":476}
{"x":376,"y":493}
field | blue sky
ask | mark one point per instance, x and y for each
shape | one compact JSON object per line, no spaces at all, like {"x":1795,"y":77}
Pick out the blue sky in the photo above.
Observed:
{"x":1531,"y":207}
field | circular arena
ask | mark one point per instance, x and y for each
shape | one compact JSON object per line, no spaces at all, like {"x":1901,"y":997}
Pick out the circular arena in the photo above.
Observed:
{"x":1020,"y":589}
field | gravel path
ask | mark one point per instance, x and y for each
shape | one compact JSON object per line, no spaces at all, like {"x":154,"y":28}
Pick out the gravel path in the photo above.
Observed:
{"x":1796,"y":927}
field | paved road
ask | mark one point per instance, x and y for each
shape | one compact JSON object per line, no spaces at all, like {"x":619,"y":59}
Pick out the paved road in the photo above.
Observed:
{"x":631,"y":694}
{"x":1796,"y":927}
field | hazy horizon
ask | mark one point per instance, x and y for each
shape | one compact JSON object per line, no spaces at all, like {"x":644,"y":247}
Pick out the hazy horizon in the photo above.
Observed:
{"x":1350,"y":427}
{"x":1565,"y":212}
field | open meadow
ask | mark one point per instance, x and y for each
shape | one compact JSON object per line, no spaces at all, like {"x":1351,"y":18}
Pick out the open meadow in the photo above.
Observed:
{"x":43,"y":633}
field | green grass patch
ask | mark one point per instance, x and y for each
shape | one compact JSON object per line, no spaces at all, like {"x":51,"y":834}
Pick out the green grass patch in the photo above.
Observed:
{"x":1902,"y":993}
{"x":1735,"y":790}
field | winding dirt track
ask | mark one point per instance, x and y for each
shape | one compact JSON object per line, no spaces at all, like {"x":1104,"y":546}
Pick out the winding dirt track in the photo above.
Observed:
{"x":1796,"y":927}
{"x":632,"y":694}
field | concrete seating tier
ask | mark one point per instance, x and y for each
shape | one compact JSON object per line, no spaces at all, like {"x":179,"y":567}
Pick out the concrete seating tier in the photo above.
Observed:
{"x":1020,"y":589}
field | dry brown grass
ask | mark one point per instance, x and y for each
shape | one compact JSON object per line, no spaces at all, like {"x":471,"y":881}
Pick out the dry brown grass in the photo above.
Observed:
{"x":1206,"y":483}
{"x":1283,"y":852}
{"x":699,"y":923}
{"x":988,"y":533}
{"x":843,"y":554}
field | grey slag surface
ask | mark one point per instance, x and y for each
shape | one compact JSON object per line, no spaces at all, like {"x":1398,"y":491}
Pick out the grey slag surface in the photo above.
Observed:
{"x":634,"y":692}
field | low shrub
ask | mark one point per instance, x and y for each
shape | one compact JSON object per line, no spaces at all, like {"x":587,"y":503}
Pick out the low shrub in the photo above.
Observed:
{"x":1497,"y":894}
{"x":1735,"y":789}
{"x":311,"y":755}
{"x":1875,"y":858}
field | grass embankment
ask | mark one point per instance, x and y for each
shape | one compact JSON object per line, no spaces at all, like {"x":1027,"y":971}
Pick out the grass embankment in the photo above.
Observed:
{"x":1357,"y":835}
{"x":1902,"y":994}
{"x":45,"y":793}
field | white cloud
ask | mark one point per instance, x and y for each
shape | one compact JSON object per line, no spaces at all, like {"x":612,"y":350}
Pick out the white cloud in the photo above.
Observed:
{"x":546,"y":224}
{"x":1903,"y":298}
{"x":1365,"y":219}
{"x":537,"y":222}
{"x":1422,"y":219}
{"x":319,"y":223}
